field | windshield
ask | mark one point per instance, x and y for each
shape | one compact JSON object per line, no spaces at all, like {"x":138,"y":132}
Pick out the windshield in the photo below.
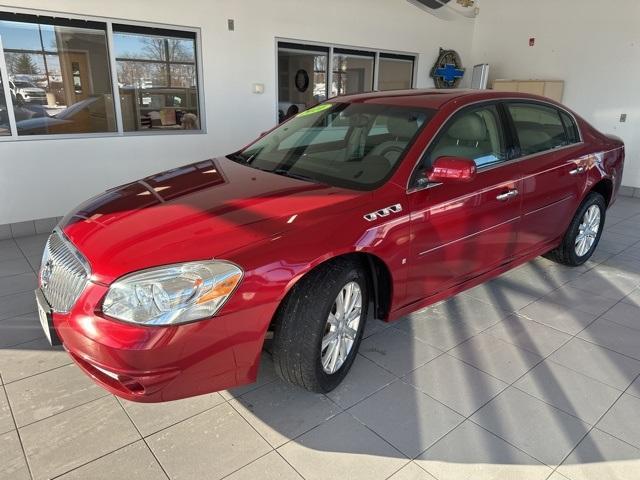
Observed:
{"x":350,"y":145}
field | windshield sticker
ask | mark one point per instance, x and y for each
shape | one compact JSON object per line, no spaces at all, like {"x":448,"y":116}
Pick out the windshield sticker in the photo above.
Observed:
{"x":316,"y":109}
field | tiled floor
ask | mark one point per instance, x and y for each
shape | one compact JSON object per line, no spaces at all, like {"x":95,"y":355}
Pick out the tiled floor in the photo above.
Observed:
{"x":533,"y":375}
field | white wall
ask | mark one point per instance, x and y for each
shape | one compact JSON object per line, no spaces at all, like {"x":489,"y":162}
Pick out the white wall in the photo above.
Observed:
{"x":46,"y":178}
{"x":593,"y":46}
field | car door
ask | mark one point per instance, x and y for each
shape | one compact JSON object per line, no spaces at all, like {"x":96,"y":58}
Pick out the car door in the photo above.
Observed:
{"x":553,"y":169}
{"x":460,"y":230}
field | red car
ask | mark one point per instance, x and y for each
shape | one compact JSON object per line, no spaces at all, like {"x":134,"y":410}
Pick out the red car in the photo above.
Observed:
{"x":167,"y":287}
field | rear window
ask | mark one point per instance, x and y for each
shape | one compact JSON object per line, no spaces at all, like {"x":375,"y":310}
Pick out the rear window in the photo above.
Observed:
{"x":539,"y":127}
{"x":573,"y":136}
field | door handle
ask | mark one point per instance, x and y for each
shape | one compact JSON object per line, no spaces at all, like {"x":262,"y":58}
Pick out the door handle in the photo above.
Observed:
{"x":503,"y":197}
{"x":576,"y":171}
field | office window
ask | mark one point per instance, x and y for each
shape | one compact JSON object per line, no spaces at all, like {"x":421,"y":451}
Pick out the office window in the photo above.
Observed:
{"x":307,"y":76}
{"x":396,"y":72}
{"x":59,"y":75}
{"x":302,"y":78}
{"x":157,"y":77}
{"x":4,"y":114}
{"x":352,"y":72}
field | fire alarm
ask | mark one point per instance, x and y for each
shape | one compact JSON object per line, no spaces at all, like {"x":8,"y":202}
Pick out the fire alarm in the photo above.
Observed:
{"x":532,"y":41}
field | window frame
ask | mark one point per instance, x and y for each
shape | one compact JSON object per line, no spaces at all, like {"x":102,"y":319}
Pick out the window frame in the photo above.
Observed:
{"x":376,"y":52}
{"x":115,"y":91}
{"x":412,"y":184}
{"x":359,"y":53}
{"x":509,"y":131}
{"x":516,"y":148}
{"x":396,"y":56}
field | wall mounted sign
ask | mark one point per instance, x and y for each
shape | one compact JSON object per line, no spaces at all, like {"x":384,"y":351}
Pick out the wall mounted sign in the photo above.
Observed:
{"x":302,"y":80}
{"x":447,"y":71}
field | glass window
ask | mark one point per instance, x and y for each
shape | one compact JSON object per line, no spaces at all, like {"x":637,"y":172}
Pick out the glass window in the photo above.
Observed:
{"x":350,"y":145}
{"x":475,"y":134}
{"x":4,"y":114}
{"x":302,"y":78}
{"x":573,"y":136}
{"x":59,"y":74}
{"x":157,"y":77}
{"x":352,"y":72}
{"x":538,"y":127}
{"x":396,"y":72}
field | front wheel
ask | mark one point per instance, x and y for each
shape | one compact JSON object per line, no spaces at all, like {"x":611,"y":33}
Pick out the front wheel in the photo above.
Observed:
{"x":319,"y":326}
{"x":583,"y":234}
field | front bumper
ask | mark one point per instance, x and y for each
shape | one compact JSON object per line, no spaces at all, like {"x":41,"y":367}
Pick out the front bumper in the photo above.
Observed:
{"x":156,"y":364}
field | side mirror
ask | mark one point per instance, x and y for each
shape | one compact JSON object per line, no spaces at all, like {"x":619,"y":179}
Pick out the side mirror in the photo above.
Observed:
{"x":452,"y":169}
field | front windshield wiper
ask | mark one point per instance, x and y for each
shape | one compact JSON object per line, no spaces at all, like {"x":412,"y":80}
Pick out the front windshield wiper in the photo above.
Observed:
{"x":237,"y":157}
{"x":287,"y":173}
{"x":240,"y":158}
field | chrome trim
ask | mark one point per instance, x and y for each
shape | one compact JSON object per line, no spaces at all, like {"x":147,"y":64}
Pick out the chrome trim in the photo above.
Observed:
{"x":410,"y":190}
{"x":471,"y":235}
{"x":383,"y":212}
{"x":503,"y":197}
{"x":64,"y":272}
{"x":568,"y":197}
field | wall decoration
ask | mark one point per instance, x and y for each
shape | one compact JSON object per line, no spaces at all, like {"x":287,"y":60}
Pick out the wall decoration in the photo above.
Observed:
{"x":447,"y":71}
{"x":302,"y":80}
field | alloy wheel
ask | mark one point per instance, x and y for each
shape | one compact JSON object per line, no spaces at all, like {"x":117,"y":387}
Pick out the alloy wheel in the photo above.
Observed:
{"x":587,"y":230}
{"x":341,"y":328}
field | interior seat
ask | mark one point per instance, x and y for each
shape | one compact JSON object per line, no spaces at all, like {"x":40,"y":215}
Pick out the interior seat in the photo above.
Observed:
{"x":467,"y":137}
{"x":402,"y":130}
{"x":533,"y":140}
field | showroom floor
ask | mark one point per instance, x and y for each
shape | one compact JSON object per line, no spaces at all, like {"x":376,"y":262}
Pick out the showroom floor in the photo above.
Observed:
{"x":533,"y":375}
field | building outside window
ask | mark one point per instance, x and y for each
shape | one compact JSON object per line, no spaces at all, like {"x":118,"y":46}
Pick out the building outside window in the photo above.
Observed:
{"x":157,"y":78}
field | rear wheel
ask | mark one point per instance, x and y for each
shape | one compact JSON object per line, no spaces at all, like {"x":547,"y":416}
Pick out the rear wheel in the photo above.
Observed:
{"x":583,"y":234}
{"x":319,"y":326}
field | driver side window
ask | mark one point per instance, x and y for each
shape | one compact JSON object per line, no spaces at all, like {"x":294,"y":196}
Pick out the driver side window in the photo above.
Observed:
{"x":473,"y":133}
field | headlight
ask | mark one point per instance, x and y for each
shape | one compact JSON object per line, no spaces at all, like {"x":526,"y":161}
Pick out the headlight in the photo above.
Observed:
{"x":172,"y":294}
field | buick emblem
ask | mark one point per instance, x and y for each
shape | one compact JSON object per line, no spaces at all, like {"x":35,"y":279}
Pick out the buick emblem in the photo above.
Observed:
{"x":45,"y":274}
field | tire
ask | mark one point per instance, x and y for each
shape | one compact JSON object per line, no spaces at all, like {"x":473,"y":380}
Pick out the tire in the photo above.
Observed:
{"x":567,"y":252}
{"x":302,"y":323}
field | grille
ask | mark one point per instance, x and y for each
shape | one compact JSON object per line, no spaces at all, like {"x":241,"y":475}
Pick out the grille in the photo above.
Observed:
{"x":63,"y":274}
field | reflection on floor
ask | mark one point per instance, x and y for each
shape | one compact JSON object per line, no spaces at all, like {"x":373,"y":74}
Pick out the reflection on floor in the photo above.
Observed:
{"x":532,"y":375}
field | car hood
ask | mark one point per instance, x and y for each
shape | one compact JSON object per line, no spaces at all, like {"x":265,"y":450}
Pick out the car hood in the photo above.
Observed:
{"x":194,"y":212}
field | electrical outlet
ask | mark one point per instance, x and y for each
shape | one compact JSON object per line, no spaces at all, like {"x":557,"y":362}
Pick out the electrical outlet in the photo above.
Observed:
{"x":623,"y":117}
{"x":231,"y":24}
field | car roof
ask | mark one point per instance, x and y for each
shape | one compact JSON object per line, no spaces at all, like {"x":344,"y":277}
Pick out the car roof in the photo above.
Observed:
{"x":431,"y":97}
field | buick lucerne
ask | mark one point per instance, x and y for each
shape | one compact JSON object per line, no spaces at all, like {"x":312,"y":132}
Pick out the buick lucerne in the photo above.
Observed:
{"x":377,"y":203}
